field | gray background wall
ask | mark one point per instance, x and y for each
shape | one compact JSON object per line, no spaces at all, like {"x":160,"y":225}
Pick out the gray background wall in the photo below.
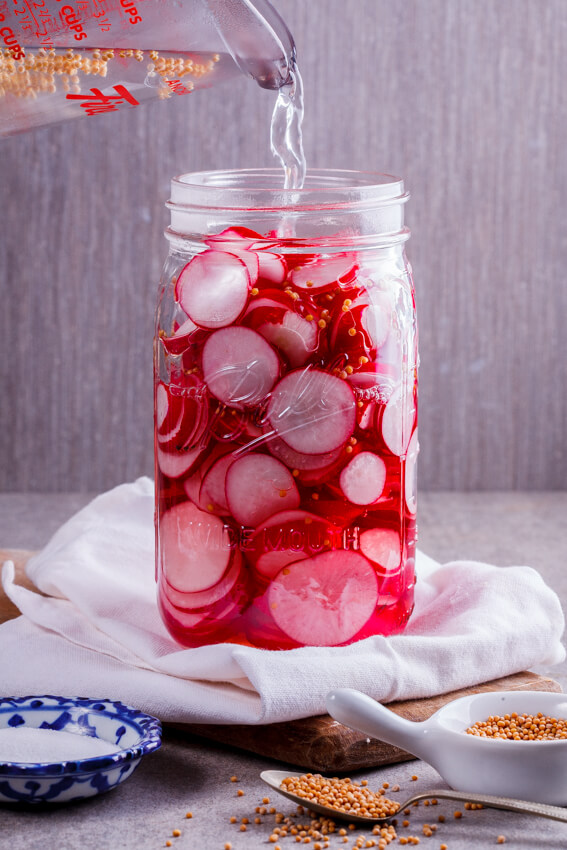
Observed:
{"x":464,"y":98}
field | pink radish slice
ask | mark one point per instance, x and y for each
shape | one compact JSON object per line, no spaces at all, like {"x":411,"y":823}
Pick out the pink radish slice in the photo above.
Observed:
{"x":237,"y":241}
{"x":312,"y":411}
{"x":296,"y":460}
{"x":382,"y":545}
{"x":375,"y":319}
{"x":362,"y":480}
{"x":194,"y":547}
{"x":398,"y":419}
{"x":213,"y":494}
{"x":272,"y":267}
{"x":210,"y":596}
{"x":192,"y":485}
{"x":162,"y":405}
{"x":257,"y":486}
{"x":287,"y":537}
{"x":295,"y":337}
{"x":315,"y":275}
{"x":213,"y":289}
{"x":239,"y":366}
{"x":411,"y":473}
{"x":193,"y":405}
{"x":179,"y":341}
{"x":169,"y":410}
{"x":324,"y":600}
{"x":176,"y":464}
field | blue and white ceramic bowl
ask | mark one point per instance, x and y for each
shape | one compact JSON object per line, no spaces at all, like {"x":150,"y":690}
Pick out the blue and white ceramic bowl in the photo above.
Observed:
{"x":66,"y":781}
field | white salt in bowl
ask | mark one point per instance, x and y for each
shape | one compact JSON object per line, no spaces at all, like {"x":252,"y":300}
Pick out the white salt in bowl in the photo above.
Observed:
{"x":68,"y":770}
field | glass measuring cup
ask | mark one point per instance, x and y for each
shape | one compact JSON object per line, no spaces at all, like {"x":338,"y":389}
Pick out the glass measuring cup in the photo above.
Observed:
{"x":65,"y":59}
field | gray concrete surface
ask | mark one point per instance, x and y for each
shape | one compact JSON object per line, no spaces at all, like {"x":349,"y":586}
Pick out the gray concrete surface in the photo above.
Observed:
{"x":188,"y":774}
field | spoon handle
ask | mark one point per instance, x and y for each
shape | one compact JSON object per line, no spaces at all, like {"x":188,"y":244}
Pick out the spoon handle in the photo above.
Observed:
{"x":541,"y":809}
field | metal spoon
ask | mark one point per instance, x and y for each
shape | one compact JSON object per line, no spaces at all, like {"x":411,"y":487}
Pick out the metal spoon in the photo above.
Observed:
{"x":274,"y":778}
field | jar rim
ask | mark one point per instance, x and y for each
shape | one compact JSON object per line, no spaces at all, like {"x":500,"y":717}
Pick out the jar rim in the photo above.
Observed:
{"x":261,"y":188}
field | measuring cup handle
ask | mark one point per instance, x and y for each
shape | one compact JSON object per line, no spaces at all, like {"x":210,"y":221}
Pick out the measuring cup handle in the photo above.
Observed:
{"x":364,"y":714}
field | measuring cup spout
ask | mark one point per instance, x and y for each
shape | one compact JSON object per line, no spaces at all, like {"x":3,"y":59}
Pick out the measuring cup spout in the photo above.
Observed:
{"x":364,"y":714}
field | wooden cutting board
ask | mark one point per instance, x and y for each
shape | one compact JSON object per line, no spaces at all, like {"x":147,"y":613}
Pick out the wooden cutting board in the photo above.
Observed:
{"x":314,"y":743}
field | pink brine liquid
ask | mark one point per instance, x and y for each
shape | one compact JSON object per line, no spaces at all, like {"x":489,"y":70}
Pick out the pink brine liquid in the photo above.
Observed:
{"x":286,"y":445}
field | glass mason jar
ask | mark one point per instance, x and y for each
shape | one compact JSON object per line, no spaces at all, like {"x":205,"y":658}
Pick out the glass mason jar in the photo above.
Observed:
{"x":285,"y":410}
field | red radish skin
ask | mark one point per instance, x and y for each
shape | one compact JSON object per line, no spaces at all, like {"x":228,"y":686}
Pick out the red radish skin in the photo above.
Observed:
{"x":313,"y":412}
{"x":383,"y":547}
{"x":411,"y":474}
{"x":239,"y":366}
{"x":194,"y":548}
{"x":363,"y":478}
{"x":324,"y":600}
{"x":213,"y":289}
{"x":257,"y":486}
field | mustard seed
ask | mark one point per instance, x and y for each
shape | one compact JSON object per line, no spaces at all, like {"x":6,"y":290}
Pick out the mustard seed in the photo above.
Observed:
{"x":524,"y":727}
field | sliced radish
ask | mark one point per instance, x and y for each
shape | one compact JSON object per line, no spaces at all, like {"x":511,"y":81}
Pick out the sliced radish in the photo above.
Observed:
{"x":312,"y":411}
{"x":209,"y":596}
{"x":294,"y":336}
{"x":192,"y":485}
{"x":257,"y":486}
{"x":213,"y":493}
{"x":213,"y":288}
{"x":162,"y":405}
{"x":321,"y":273}
{"x":362,"y":480}
{"x":297,"y":460}
{"x":324,"y":600}
{"x":398,"y":419}
{"x":375,"y":320}
{"x":272,"y":267}
{"x":237,"y":241}
{"x":180,"y":340}
{"x":176,"y":464}
{"x":411,"y":473}
{"x":383,"y":546}
{"x":194,"y":546}
{"x":190,"y":404}
{"x":287,"y":537}
{"x":240,"y":367}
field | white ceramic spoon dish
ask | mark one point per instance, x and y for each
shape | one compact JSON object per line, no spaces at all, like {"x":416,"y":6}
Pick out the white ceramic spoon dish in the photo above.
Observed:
{"x":525,"y":770}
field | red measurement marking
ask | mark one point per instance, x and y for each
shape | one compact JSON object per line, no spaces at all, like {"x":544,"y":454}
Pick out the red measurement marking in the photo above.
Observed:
{"x":97,"y":102}
{"x":178,"y":87}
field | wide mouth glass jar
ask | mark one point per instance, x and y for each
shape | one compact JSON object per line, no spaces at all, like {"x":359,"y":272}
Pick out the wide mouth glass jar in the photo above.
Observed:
{"x":285,"y":410}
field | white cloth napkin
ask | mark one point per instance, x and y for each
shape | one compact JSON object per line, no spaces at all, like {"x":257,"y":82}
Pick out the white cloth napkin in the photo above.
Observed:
{"x":98,"y":632}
